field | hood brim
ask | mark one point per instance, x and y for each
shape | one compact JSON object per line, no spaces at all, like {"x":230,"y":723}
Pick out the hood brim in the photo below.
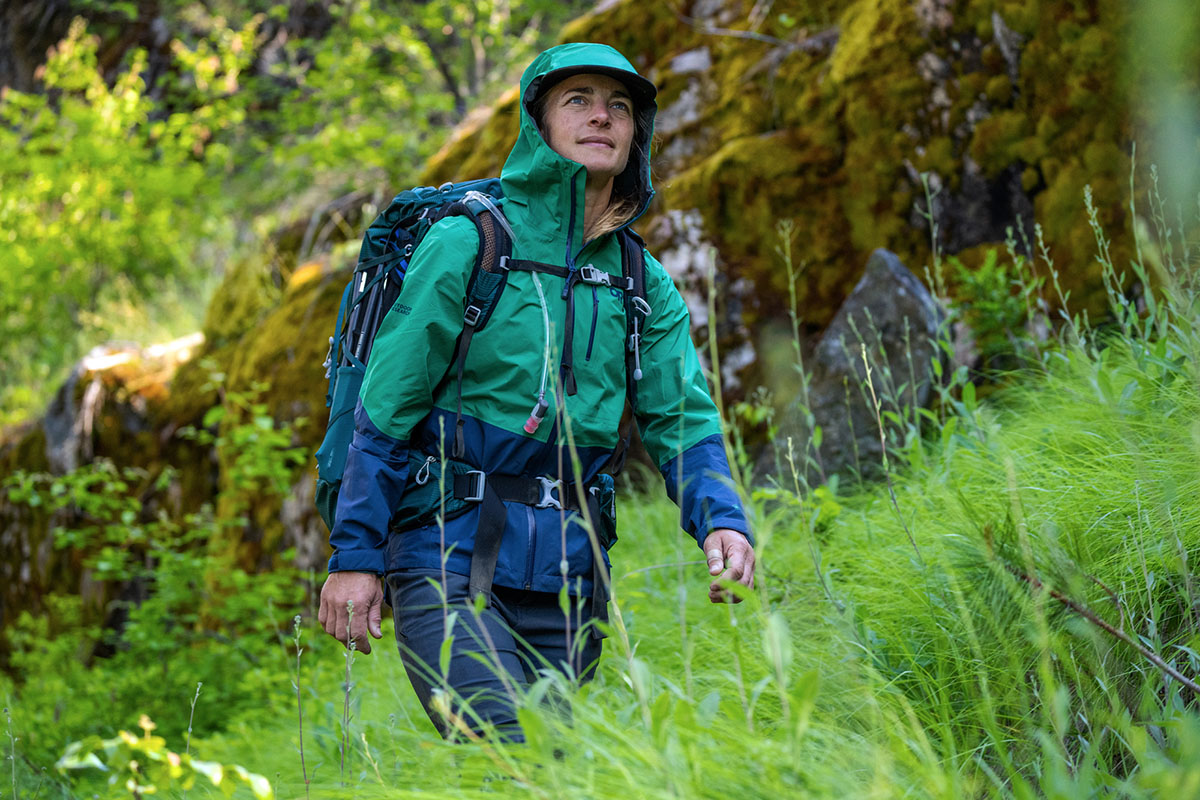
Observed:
{"x":640,"y":90}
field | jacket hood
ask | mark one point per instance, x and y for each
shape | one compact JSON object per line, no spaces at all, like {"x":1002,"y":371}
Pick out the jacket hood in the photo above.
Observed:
{"x":551,"y":186}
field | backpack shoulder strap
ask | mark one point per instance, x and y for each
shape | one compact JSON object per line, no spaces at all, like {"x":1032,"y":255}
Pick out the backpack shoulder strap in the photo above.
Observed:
{"x":488,"y":279}
{"x":633,"y":269}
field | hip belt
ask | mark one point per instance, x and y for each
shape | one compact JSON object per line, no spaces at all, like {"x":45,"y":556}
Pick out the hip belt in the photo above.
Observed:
{"x":492,"y":491}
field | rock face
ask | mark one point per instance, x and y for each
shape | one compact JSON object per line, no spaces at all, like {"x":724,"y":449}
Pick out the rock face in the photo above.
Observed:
{"x":891,"y":320}
{"x":854,"y":120}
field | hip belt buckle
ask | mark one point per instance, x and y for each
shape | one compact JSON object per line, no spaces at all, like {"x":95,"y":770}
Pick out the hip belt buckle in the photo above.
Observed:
{"x":477,"y":481}
{"x":548,"y":499}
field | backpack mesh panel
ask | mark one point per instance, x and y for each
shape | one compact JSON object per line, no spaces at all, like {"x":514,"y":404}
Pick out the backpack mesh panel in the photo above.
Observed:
{"x":487,"y":245}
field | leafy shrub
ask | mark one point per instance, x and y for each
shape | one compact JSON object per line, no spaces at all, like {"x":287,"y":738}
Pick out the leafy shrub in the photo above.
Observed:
{"x":112,"y":204}
{"x":142,"y":765}
{"x":185,"y":614}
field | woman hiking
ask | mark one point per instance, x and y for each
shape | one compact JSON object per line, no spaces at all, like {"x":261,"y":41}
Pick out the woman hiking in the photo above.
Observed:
{"x":461,"y":439}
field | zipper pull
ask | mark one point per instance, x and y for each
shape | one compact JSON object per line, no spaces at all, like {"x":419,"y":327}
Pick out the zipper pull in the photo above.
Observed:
{"x":635,"y":341}
{"x":422,"y":476}
{"x":328,"y":362}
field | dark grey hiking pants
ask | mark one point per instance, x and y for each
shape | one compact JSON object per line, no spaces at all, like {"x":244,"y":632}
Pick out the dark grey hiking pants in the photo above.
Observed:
{"x":493,"y":656}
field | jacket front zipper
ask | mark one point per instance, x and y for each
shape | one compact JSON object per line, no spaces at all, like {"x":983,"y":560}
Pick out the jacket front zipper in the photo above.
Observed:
{"x":595,"y":314}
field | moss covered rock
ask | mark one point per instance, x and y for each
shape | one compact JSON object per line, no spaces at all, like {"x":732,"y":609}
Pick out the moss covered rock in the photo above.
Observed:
{"x":829,"y":114}
{"x":115,"y":408}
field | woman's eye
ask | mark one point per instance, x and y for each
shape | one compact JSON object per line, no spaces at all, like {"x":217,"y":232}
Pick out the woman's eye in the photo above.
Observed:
{"x":621,"y":105}
{"x":575,"y":98}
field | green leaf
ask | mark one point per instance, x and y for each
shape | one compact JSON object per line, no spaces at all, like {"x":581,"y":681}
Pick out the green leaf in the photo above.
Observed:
{"x":968,"y":397}
{"x":213,"y":416}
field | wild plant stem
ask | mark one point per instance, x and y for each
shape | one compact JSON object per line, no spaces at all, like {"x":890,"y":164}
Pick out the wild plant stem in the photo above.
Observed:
{"x":187,"y":749}
{"x":370,"y":760}
{"x":785,"y":229}
{"x":12,"y":751}
{"x":299,"y":705}
{"x":887,"y":472}
{"x":350,"y":647}
{"x":1094,"y":618}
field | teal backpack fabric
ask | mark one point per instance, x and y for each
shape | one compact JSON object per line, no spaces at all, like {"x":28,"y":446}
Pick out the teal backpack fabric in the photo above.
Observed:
{"x":383,"y":260}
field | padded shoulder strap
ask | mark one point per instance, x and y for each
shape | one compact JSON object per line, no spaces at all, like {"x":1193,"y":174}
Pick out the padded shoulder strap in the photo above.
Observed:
{"x":633,"y":268}
{"x":488,"y":279}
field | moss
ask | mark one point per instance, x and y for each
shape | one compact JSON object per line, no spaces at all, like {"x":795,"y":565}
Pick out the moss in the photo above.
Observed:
{"x":995,"y":139}
{"x":999,"y":89}
{"x":243,"y":297}
{"x":939,"y":156}
{"x":285,"y":351}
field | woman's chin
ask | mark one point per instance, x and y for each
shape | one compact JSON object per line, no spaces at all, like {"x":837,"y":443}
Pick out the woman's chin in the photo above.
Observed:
{"x":600,"y":170}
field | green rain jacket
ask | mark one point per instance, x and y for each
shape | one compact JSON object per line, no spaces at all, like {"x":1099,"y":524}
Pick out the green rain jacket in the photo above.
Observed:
{"x":404,"y":421}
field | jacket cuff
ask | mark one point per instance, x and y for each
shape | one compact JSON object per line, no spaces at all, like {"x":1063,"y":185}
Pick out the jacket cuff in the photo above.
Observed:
{"x":733,"y":523}
{"x":699,"y":481}
{"x":367,"y":560}
{"x":372,"y":485}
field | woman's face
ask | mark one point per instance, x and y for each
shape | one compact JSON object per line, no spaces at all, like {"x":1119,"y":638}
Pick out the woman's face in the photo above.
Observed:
{"x":588,"y":118}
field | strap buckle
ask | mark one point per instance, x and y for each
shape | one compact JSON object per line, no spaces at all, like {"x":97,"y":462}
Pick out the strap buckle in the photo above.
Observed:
{"x":471,"y":315}
{"x":548,"y":499}
{"x":594,"y":276}
{"x":477,"y":483}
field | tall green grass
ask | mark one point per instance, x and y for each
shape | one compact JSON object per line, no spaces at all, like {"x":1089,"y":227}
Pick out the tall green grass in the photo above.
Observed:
{"x":855,"y":669}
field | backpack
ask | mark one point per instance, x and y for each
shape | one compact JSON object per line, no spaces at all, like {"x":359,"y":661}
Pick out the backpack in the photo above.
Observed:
{"x":387,"y":249}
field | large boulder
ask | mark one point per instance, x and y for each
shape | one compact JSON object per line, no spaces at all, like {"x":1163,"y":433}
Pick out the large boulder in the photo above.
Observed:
{"x":890,"y":324}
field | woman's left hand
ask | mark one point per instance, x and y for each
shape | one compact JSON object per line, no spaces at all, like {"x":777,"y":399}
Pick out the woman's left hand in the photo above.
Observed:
{"x":730,"y":557}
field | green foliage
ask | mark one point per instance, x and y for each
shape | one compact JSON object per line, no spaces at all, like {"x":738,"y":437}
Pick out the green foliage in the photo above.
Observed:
{"x":260,"y":455}
{"x":187,"y":614}
{"x":104,"y":203}
{"x":105,"y":513}
{"x":996,"y":300}
{"x":142,"y":765}
{"x":373,"y":97}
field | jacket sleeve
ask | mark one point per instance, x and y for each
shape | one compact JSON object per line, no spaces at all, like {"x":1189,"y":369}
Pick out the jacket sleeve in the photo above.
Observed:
{"x":678,"y":419}
{"x":411,"y":354}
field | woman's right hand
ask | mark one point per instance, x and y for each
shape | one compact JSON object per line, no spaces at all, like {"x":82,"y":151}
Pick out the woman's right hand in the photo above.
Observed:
{"x":363,"y":590}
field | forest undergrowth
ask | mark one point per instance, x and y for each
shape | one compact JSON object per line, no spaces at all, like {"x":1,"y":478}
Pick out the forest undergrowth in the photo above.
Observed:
{"x":1012,"y":612}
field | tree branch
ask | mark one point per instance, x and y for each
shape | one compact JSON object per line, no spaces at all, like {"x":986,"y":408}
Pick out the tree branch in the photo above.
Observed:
{"x":1095,"y":619}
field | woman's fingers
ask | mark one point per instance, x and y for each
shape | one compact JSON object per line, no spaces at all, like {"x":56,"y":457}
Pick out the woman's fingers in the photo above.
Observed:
{"x":732,"y":552}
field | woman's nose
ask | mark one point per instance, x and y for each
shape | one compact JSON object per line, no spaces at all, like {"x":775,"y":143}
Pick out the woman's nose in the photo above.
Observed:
{"x":600,"y":116}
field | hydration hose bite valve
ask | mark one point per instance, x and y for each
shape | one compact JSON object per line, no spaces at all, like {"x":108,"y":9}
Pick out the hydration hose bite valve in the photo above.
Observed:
{"x":536,"y":416}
